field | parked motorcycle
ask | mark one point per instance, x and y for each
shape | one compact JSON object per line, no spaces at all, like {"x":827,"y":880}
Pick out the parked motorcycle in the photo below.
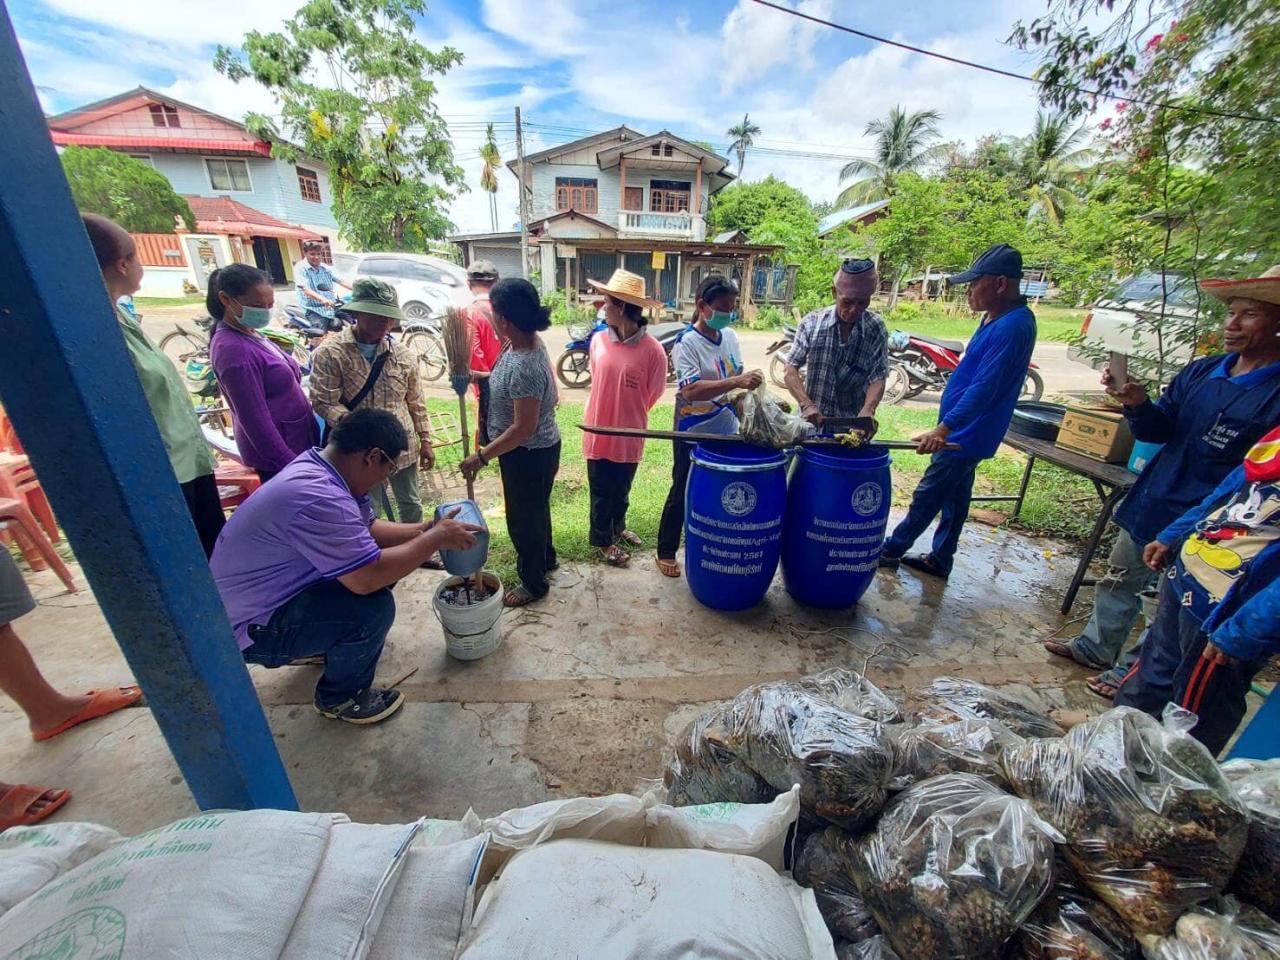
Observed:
{"x":420,"y":334}
{"x":188,"y":349}
{"x":916,"y":363}
{"x":574,"y":365}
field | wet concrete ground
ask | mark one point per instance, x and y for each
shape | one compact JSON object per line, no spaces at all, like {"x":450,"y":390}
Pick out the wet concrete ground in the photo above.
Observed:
{"x":584,"y":695}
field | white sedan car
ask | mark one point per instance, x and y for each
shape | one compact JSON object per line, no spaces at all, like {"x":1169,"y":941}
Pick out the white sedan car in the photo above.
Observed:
{"x":427,"y":286}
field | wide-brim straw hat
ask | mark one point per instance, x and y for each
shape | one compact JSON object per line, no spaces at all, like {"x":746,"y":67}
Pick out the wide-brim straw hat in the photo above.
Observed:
{"x":1265,"y":288}
{"x":626,"y":286}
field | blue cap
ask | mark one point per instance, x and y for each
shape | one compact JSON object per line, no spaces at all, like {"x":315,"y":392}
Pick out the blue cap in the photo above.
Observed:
{"x":1000,"y":261}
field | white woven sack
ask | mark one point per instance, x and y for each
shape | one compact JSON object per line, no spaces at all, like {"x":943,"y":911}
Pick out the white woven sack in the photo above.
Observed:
{"x":31,"y":857}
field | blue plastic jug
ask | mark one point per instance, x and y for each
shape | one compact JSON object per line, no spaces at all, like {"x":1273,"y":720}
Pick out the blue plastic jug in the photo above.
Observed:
{"x":463,"y":563}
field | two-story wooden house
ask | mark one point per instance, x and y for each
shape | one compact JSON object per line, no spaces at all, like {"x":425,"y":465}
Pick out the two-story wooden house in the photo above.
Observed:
{"x":625,"y":199}
{"x":249,"y":207}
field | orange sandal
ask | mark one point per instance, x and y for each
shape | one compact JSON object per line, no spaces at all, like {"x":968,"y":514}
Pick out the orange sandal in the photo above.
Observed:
{"x":101,"y":703}
{"x":668,"y":568}
{"x":18,"y":804}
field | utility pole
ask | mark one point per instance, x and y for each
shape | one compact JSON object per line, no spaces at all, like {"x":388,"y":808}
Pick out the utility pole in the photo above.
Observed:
{"x":524,"y":206}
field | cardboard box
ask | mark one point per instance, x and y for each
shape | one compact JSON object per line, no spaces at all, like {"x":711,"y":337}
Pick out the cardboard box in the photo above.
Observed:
{"x":1100,"y":433}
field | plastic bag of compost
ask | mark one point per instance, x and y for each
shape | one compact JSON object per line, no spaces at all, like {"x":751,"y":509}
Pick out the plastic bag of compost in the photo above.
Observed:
{"x":823,"y":865}
{"x":877,"y":948}
{"x":852,"y":692}
{"x":948,"y":699}
{"x":763,"y":420}
{"x":1072,"y":923}
{"x":705,"y":768}
{"x":784,"y":735}
{"x":954,"y":867}
{"x":1221,"y":930}
{"x":930,"y":749}
{"x":1258,"y":784}
{"x":1152,"y":826}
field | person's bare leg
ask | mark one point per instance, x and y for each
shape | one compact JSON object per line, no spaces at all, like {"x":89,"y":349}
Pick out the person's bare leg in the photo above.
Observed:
{"x":21,"y":679}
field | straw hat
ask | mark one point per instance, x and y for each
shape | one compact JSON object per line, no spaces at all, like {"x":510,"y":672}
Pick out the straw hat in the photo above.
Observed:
{"x":1265,"y":288}
{"x":625,"y":286}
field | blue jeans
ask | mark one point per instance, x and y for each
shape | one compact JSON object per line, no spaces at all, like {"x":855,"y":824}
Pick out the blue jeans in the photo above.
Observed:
{"x":944,"y":492}
{"x":1115,"y":605}
{"x":348,"y":629}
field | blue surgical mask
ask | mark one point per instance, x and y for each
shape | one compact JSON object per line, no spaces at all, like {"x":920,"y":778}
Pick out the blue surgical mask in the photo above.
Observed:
{"x":719,"y":319}
{"x":255,"y":318}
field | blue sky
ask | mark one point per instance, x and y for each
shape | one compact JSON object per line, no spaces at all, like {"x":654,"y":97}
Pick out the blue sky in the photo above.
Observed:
{"x":584,"y":65}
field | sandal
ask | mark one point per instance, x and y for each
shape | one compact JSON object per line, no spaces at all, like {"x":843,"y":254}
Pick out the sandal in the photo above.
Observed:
{"x":1100,"y":688}
{"x":1068,"y":652}
{"x":668,"y":568}
{"x":614,"y":556}
{"x":20,"y":805}
{"x":631,"y":539}
{"x":101,"y":703}
{"x":925,"y":564}
{"x":519,"y":597}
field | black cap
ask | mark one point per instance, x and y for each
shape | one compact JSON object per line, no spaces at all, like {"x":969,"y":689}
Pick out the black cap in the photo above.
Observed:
{"x":855,"y":267}
{"x":999,"y":261}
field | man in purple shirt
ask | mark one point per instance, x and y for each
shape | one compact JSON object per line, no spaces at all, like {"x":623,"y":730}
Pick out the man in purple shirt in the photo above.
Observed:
{"x":305,"y":569}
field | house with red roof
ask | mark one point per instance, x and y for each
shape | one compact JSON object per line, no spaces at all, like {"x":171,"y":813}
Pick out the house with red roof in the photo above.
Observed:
{"x":249,"y":207}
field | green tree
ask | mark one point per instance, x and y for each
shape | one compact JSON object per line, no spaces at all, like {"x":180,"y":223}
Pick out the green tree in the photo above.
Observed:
{"x":743,"y":137}
{"x":375,"y":122}
{"x":1052,"y":158}
{"x":905,"y":142}
{"x":489,"y":175}
{"x":906,"y":239}
{"x":132,"y":193}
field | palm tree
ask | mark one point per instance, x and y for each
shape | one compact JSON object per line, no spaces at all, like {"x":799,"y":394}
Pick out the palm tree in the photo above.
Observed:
{"x":904,"y":142}
{"x":744,"y":135}
{"x":1049,"y":156}
{"x":489,"y":175}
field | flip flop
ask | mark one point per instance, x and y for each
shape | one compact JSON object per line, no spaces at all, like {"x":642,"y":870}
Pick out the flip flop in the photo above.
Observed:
{"x":1059,"y":649}
{"x":631,"y":539}
{"x":668,"y":568}
{"x":614,"y":556}
{"x":519,"y":597}
{"x":101,"y":703}
{"x":1100,"y":688}
{"x":17,"y":802}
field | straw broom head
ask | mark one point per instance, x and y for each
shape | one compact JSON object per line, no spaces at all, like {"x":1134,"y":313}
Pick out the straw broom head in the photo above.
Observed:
{"x":457,"y":347}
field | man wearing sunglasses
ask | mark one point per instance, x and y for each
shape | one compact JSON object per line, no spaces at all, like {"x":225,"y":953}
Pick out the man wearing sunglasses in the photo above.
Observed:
{"x":844,"y":349}
{"x":305,"y":570}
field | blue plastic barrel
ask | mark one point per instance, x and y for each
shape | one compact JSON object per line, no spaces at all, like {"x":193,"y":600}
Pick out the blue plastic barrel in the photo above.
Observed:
{"x":733,"y":523}
{"x":837,"y":509}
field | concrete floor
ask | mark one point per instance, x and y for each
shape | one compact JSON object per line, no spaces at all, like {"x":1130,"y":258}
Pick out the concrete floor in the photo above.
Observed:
{"x":584,"y":695}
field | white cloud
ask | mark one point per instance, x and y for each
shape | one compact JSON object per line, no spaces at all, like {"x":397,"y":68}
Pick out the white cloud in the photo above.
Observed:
{"x":182,"y":21}
{"x":551,"y":28}
{"x":755,"y":39}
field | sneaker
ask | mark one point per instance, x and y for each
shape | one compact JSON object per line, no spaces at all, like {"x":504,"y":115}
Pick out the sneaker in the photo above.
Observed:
{"x":926,"y":564}
{"x":367,"y":706}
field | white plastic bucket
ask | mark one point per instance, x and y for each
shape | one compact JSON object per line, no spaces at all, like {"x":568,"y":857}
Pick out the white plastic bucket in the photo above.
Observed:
{"x":473,"y":631}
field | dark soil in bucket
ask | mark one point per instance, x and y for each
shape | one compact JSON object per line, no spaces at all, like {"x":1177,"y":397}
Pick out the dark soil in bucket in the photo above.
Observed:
{"x":464,"y":594}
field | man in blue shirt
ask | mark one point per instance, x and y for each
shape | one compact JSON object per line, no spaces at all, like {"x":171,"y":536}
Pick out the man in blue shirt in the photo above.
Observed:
{"x":314,"y":284}
{"x":1211,"y":413}
{"x":977,"y":406}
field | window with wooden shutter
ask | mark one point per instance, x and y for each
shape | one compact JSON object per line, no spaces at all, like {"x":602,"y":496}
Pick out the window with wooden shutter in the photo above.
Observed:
{"x":309,"y":184}
{"x":163,"y":115}
{"x":577,"y":193}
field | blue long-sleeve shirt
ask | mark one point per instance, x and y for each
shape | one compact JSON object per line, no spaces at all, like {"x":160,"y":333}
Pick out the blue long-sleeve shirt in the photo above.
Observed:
{"x":977,"y":404}
{"x":1207,"y":420}
{"x":1246,"y":622}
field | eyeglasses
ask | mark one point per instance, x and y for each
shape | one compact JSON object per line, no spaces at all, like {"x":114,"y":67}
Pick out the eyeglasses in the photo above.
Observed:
{"x":383,"y":458}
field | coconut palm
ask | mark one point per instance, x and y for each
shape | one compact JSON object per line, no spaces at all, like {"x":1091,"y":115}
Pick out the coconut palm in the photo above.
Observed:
{"x":1051,"y":155}
{"x":489,"y":175}
{"x":744,"y":135}
{"x":904,"y":142}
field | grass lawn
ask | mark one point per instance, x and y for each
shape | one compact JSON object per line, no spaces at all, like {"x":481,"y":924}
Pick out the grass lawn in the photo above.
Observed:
{"x":1058,"y":503}
{"x":1061,"y":324}
{"x":141,"y":302}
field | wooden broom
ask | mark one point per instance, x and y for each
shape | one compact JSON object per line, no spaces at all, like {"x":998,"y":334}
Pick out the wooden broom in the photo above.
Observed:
{"x":457,"y":348}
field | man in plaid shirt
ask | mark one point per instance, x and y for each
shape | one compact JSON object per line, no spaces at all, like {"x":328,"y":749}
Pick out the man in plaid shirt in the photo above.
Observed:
{"x":844,"y":349}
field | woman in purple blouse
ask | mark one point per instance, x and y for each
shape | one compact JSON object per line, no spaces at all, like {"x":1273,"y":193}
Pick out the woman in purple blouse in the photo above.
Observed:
{"x":271,"y":414}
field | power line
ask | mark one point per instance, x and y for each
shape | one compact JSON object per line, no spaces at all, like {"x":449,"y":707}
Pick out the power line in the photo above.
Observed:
{"x":998,"y":71}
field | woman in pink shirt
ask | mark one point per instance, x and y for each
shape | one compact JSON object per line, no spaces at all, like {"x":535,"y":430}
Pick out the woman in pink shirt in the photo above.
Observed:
{"x":628,"y":375}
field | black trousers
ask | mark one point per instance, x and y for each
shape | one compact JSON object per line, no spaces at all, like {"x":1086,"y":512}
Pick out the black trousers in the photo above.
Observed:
{"x":206,"y":509}
{"x":527,"y":478}
{"x":482,"y":410}
{"x":610,"y":486}
{"x":672,"y":523}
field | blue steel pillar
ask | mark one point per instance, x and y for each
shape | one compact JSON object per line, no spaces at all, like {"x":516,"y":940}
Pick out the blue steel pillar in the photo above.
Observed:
{"x":71,"y":390}
{"x":1260,"y":739}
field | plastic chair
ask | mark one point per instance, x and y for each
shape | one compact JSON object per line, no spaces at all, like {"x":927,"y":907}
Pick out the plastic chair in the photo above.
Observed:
{"x":34,"y":544}
{"x":235,"y":482}
{"x":18,"y":481}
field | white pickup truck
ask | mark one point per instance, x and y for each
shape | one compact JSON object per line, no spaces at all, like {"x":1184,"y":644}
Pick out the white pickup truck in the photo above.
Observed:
{"x":1130,"y":321}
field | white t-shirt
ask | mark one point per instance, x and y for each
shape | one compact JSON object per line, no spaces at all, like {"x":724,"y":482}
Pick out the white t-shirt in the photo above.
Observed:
{"x":698,"y":357}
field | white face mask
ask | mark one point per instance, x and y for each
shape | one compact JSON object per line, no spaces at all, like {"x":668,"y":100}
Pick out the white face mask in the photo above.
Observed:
{"x":255,"y":318}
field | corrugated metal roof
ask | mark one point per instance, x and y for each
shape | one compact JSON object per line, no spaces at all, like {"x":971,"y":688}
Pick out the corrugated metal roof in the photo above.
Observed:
{"x":839,"y":218}
{"x":227,"y":216}
{"x":255,"y":148}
